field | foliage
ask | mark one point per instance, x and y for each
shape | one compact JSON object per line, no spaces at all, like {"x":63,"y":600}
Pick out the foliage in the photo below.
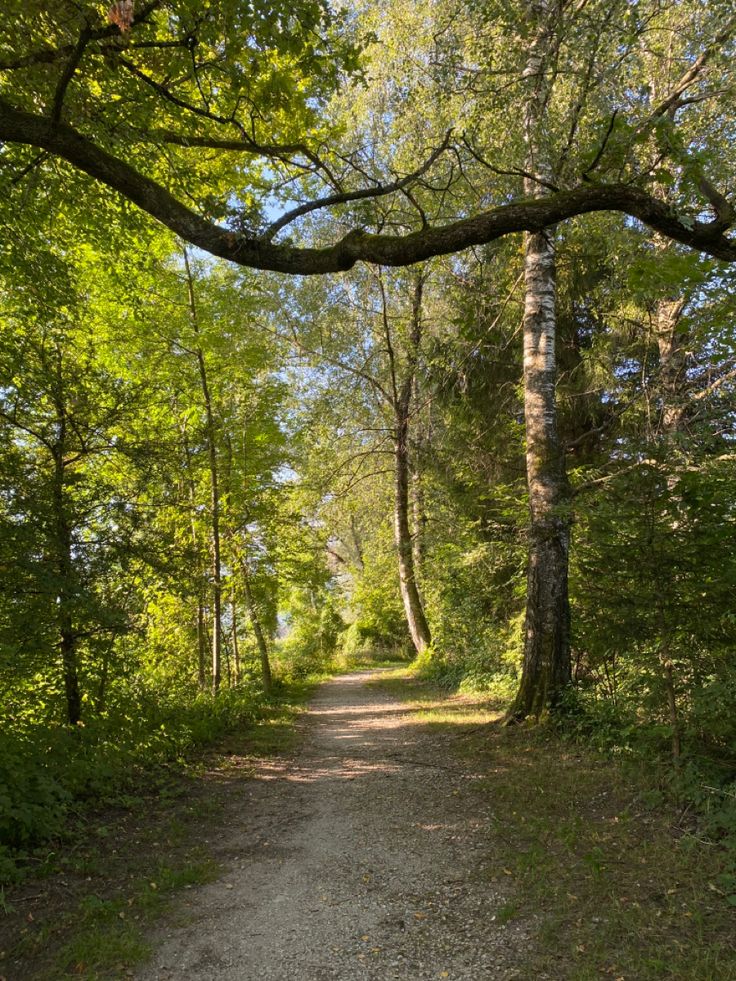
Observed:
{"x":49,"y":773}
{"x":199,"y":467}
{"x":314,"y":628}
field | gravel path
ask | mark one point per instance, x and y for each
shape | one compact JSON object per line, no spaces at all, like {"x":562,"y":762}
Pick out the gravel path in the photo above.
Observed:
{"x":364,"y":857}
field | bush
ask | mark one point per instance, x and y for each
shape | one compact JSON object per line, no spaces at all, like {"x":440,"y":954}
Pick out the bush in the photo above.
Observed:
{"x":47,"y":774}
{"x":360,"y":644}
{"x":311,"y":644}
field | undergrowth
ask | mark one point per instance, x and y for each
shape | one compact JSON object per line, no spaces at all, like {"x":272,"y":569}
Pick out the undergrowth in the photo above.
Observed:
{"x":50,"y":777}
{"x":700,"y":784}
{"x":83,"y":900}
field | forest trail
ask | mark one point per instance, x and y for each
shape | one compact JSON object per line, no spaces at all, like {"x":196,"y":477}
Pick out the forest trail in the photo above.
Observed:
{"x":363,"y":856}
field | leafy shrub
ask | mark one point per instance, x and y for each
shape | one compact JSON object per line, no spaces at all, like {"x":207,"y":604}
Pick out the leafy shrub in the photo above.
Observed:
{"x":33,"y":801}
{"x":360,"y":644}
{"x":47,"y":773}
{"x":311,"y":644}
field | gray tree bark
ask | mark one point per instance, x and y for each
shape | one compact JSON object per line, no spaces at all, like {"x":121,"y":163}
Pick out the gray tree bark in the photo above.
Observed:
{"x":546,"y":667}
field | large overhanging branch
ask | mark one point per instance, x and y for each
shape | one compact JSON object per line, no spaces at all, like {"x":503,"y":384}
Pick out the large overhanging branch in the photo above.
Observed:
{"x":18,"y":126}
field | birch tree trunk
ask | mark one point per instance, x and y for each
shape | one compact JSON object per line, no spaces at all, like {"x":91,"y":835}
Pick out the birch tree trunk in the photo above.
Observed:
{"x":546,"y":667}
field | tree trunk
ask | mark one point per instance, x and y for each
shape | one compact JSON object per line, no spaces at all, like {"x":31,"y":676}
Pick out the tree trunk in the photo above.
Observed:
{"x":67,"y":636}
{"x":672,"y":344}
{"x":216,"y":548}
{"x":236,"y":646}
{"x":201,"y":643}
{"x":413,"y":607}
{"x":65,"y":572}
{"x":672,"y":712}
{"x":672,"y":362}
{"x":201,"y":627}
{"x":210,"y":434}
{"x":546,"y":668}
{"x":258,"y":631}
{"x":416,"y":488}
{"x":418,"y":521}
{"x":357,"y":545}
{"x":415,"y":618}
{"x":102,"y":683}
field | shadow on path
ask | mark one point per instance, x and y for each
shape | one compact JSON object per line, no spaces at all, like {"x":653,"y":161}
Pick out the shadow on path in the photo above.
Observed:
{"x":361,"y":857}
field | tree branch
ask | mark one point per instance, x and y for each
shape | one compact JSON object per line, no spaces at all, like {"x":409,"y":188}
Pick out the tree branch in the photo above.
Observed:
{"x":294,"y":339}
{"x":243,"y":145}
{"x":514,"y":172}
{"x":369,"y":192}
{"x":68,"y":74}
{"x":167,"y":94}
{"x":62,"y":140}
{"x":12,"y":419}
{"x":688,"y":78}
{"x":714,"y":386}
{"x":47,"y":56}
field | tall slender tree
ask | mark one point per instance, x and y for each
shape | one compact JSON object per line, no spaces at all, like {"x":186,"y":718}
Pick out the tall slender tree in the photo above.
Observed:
{"x":210,"y":430}
{"x":546,"y":664}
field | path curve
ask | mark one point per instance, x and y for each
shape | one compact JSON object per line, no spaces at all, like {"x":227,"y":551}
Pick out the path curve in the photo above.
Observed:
{"x":364,"y":857}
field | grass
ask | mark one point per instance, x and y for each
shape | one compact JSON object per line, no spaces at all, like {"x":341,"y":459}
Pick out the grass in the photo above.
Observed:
{"x":100,"y":888}
{"x":109,"y":938}
{"x":610,"y":885}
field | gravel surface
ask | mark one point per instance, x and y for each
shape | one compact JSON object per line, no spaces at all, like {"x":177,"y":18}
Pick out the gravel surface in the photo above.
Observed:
{"x":366,"y":856}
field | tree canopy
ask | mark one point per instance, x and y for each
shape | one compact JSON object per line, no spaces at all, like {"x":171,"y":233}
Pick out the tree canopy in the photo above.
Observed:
{"x":251,"y":86}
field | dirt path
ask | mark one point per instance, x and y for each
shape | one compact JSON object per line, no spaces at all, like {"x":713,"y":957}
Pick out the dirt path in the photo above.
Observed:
{"x":361,"y":858}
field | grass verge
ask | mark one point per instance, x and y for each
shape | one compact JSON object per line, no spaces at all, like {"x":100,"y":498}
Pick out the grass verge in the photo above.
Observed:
{"x":101,"y":886}
{"x":613,"y":886}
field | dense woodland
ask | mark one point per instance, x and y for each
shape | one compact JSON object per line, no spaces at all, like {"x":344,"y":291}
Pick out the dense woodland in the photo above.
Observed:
{"x":389,"y":331}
